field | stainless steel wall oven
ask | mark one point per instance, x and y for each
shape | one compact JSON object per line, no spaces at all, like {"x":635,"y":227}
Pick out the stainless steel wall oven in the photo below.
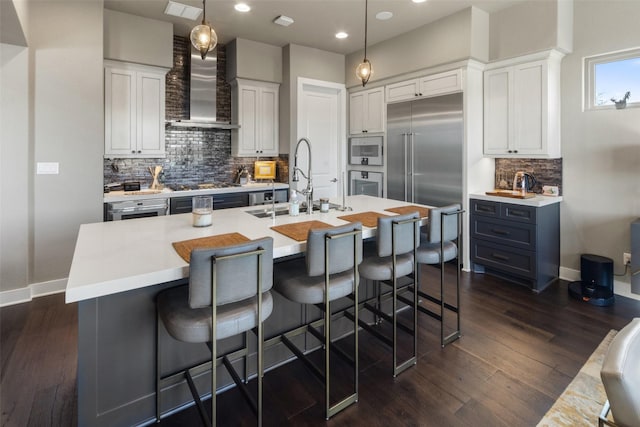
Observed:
{"x":130,"y":209}
{"x":365,"y":182}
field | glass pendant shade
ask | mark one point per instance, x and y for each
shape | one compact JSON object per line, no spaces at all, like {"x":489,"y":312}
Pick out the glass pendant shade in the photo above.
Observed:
{"x":364,"y":71}
{"x":204,"y":38}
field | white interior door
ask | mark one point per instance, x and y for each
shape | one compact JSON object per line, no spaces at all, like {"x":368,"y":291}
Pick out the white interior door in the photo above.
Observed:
{"x":321,"y":119}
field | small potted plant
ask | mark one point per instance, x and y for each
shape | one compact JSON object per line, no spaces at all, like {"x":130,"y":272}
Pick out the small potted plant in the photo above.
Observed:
{"x":620,"y":104}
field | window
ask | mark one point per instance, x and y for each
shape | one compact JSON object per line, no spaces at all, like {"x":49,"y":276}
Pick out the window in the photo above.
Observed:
{"x":612,"y":75}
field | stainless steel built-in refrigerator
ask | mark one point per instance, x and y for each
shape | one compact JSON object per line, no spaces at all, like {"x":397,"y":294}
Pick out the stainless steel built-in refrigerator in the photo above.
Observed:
{"x":424,"y":150}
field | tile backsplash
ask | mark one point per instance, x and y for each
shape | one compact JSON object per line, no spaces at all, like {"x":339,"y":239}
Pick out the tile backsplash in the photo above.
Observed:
{"x":193,"y":155}
{"x":546,"y":172}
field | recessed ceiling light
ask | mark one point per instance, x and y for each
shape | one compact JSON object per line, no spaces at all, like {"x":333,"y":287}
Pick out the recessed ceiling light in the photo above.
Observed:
{"x":182,"y":10}
{"x":383,"y":16}
{"x":342,"y":35}
{"x":285,"y":21}
{"x":418,"y":1}
{"x":242,"y":7}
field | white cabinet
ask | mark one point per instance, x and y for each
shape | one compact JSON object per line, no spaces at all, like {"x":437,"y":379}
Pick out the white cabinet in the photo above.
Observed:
{"x":367,"y":111}
{"x":425,"y":87}
{"x":522,"y":107}
{"x":255,"y":109}
{"x":134,"y":110}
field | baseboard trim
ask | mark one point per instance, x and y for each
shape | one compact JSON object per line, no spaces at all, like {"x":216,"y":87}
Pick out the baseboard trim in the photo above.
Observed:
{"x":619,"y":287}
{"x":26,"y":294}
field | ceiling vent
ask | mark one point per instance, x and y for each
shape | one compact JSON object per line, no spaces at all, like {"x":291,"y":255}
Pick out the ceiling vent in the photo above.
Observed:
{"x":182,"y":10}
{"x":285,"y":21}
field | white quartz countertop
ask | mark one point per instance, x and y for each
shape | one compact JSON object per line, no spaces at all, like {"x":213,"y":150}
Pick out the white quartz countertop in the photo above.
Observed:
{"x":120,"y":196}
{"x":119,"y":256}
{"x":537,"y":201}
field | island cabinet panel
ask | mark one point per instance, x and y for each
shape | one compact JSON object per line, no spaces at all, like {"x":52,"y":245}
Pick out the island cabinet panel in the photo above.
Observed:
{"x":516,"y":242}
{"x":116,"y":354}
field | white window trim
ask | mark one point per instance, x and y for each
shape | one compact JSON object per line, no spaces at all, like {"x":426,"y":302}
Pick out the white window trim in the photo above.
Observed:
{"x":588,"y":66}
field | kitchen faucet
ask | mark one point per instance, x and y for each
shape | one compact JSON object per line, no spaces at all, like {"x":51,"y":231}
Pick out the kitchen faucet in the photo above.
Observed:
{"x":309,"y":190}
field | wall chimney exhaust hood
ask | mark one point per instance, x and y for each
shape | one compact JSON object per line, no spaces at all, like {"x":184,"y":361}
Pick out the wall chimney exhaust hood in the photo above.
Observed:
{"x":203,"y":94}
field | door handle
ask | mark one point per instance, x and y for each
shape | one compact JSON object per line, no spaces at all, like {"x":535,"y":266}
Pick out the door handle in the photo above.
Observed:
{"x":500,"y":257}
{"x":412,"y":151}
{"x":334,"y":180}
{"x":404,"y":155}
{"x":500,"y":232}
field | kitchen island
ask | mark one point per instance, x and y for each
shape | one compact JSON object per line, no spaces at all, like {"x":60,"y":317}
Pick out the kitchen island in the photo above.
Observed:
{"x":119,"y":267}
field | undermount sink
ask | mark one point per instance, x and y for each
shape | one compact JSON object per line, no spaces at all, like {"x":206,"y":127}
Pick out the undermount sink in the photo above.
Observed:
{"x":266,"y":212}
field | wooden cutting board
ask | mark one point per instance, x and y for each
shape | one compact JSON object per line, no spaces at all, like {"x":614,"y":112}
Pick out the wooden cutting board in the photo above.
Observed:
{"x":511,"y":194}
{"x":185,"y":247}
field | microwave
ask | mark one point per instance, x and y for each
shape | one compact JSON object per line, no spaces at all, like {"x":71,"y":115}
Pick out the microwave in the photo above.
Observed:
{"x":365,"y":150}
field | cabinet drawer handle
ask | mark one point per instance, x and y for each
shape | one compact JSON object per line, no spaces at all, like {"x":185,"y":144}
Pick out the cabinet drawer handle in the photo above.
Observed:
{"x":484,"y":209}
{"x":500,"y":257}
{"x":522,"y":214}
{"x":501,"y":232}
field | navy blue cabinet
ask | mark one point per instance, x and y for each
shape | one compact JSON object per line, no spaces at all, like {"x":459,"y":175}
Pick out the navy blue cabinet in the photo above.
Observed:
{"x":516,"y":242}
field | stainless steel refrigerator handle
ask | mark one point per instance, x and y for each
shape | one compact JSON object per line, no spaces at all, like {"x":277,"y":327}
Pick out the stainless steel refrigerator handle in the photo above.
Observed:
{"x":413,"y":185}
{"x":406,"y":175}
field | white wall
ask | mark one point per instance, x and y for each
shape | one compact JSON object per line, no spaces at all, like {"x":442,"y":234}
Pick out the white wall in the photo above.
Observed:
{"x":11,"y":31}
{"x":447,"y":40}
{"x":252,"y":60}
{"x":601,"y":149}
{"x":14,"y":163}
{"x":132,"y":38}
{"x":63,"y":121}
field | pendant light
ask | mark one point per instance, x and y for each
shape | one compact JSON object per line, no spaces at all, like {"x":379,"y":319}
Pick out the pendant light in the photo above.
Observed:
{"x":364,"y":69}
{"x":203,"y":37}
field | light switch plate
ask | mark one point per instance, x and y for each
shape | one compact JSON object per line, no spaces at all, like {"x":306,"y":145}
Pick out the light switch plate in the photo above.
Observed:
{"x":47,"y":168}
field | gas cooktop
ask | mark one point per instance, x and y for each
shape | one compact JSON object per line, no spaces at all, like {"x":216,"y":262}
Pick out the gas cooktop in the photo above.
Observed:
{"x":203,"y":186}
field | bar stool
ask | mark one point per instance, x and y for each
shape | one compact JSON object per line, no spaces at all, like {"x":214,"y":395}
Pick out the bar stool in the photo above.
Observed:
{"x":438,"y":246}
{"x":228,"y":292}
{"x":328,"y":272}
{"x":396,"y":242}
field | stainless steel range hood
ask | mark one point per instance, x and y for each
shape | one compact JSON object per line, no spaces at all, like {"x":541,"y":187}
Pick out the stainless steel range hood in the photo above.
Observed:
{"x":203,"y":93}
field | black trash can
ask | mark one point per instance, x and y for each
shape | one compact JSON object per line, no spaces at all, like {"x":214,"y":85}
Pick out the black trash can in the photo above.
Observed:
{"x":596,"y":286}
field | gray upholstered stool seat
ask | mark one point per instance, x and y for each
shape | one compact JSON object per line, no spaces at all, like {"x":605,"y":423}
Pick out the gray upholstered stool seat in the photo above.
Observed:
{"x":328,"y":272}
{"x":429,"y":253}
{"x":621,"y":377}
{"x":381,"y":268}
{"x":294,"y":284}
{"x":438,"y":246}
{"x":228,"y":294}
{"x":194,"y":324}
{"x":394,"y":257}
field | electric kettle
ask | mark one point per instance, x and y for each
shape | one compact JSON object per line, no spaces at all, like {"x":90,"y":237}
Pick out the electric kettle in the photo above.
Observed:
{"x":523,"y":181}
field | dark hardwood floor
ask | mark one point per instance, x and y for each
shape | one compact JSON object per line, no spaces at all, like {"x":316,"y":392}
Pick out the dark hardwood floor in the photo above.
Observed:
{"x":517,"y":353}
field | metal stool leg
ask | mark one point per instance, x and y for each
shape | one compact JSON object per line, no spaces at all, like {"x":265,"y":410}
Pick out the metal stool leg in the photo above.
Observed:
{"x":158,"y":391}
